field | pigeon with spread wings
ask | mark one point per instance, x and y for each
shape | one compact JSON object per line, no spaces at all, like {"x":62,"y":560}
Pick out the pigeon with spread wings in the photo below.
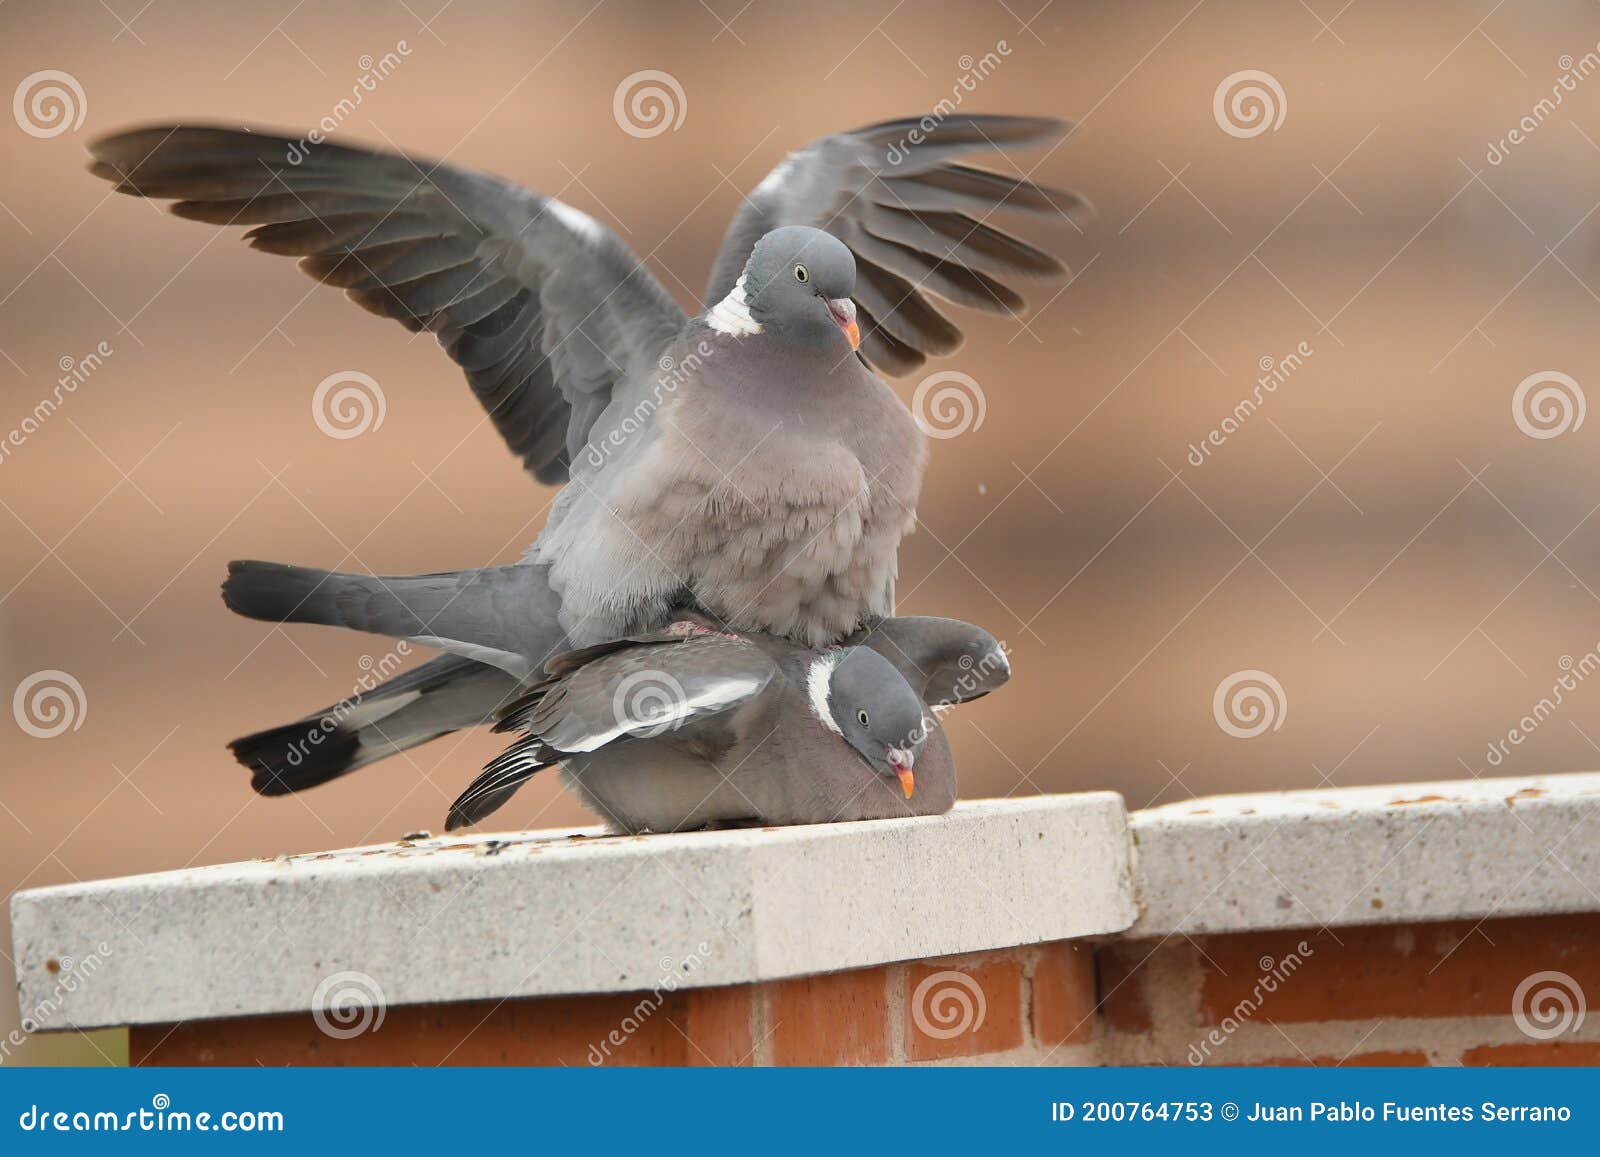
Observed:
{"x":746,"y":461}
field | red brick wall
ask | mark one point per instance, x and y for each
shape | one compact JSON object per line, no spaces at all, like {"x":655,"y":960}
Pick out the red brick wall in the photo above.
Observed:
{"x":1018,"y":1003}
{"x":1378,"y":995}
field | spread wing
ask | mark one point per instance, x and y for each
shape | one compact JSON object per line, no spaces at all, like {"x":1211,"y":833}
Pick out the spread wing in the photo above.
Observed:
{"x":544,"y":309}
{"x":644,"y":687}
{"x":916,"y":220}
{"x":641,"y":691}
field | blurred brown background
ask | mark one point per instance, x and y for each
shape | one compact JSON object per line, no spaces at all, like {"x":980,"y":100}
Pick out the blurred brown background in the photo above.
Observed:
{"x":1381,"y":537}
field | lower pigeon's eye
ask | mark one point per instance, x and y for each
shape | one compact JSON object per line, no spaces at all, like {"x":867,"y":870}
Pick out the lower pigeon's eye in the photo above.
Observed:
{"x":800,"y":273}
{"x":861,"y":718}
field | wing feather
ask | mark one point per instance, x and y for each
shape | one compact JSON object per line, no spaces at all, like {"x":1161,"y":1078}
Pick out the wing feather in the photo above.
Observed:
{"x":917,"y":222}
{"x":545,"y":310}
{"x":639,"y":689}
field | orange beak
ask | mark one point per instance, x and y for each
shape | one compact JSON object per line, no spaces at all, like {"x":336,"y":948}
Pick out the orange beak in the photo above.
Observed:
{"x":844,"y":313}
{"x":900,"y":761}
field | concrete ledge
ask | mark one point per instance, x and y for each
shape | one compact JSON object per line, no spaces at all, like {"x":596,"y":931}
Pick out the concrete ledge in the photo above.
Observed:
{"x":1371,"y":855}
{"x":545,"y":913}
{"x":536,"y":914}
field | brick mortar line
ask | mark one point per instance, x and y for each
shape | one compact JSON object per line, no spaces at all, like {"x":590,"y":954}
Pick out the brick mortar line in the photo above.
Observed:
{"x":894,"y":994}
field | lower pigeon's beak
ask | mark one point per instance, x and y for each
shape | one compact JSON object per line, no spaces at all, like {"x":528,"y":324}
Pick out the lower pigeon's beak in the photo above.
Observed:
{"x":844,"y":313}
{"x":900,"y":761}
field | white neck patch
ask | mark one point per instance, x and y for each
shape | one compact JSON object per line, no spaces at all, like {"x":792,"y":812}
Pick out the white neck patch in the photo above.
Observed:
{"x":818,"y":676}
{"x":732,"y":313}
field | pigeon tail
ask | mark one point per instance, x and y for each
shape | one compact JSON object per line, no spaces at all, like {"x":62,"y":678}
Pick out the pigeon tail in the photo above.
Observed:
{"x":277,"y":593}
{"x":283,"y":760}
{"x":441,"y":696}
{"x":506,"y":616}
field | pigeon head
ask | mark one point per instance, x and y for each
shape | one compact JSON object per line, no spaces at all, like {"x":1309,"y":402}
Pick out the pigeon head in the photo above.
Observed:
{"x":860,"y":694}
{"x":797,"y":284}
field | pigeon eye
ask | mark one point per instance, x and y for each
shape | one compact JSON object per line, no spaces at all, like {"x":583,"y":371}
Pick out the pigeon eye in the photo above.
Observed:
{"x":861,"y":718}
{"x":800,"y":273}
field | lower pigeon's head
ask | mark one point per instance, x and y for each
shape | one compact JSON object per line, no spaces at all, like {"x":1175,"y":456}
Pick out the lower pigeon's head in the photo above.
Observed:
{"x":796,"y":284}
{"x":860,"y":694}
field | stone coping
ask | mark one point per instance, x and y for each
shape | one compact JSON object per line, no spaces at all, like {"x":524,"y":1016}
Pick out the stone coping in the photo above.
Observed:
{"x":550,"y":913}
{"x":1369,"y":855}
{"x":545,"y":913}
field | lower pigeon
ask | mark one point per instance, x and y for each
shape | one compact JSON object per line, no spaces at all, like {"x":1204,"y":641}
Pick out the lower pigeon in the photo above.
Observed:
{"x":690,"y":726}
